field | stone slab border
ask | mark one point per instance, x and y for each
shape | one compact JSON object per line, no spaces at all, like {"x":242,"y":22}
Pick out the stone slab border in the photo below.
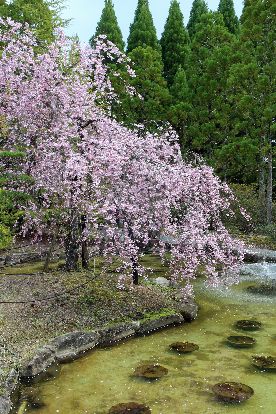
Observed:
{"x":68,"y":347}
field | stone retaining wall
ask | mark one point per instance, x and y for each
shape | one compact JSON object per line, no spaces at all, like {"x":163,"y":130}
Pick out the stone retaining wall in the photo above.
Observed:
{"x":70,"y":346}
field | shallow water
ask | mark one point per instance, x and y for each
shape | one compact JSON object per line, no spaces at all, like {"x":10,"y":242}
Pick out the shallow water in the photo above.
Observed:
{"x":104,"y":378}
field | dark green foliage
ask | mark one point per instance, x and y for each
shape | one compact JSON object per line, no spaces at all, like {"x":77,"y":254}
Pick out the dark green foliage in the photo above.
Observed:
{"x":142,"y":30}
{"x":180,"y":108}
{"x":174,"y":42}
{"x":199,"y":8}
{"x":108,"y":25}
{"x":226,"y":8}
{"x":210,"y":61}
{"x":252,"y":81}
{"x":150,"y":84}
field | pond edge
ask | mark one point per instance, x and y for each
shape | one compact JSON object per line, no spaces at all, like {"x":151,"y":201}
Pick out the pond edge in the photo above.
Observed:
{"x":70,"y":346}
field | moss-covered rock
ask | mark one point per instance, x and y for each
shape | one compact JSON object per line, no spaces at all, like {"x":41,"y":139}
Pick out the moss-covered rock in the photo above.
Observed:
{"x":266,"y":363}
{"x":240,"y":341}
{"x":184,"y":347}
{"x":265,"y":289}
{"x":233,"y":392}
{"x":248,"y":325}
{"x":150,"y":371}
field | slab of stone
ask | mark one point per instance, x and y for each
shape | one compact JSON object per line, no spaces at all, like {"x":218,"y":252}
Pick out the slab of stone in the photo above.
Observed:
{"x":256,"y":255}
{"x":43,"y":359}
{"x":69,"y":346}
{"x":161,"y":281}
{"x":112,"y":334}
{"x":146,"y":326}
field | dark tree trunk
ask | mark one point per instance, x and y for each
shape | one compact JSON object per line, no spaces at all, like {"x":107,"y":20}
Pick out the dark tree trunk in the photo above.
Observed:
{"x":262,"y":187}
{"x":269,"y":190}
{"x":72,"y":243}
{"x":84,"y":245}
{"x":49,"y":255}
{"x":135,"y":276}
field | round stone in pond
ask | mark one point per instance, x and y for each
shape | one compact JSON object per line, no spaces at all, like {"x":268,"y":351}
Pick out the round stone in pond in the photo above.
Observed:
{"x":150,"y":371}
{"x":268,"y":289}
{"x":240,"y":341}
{"x":129,"y":408}
{"x":184,"y":347}
{"x":233,"y":392}
{"x":267,"y":363}
{"x":248,"y":325}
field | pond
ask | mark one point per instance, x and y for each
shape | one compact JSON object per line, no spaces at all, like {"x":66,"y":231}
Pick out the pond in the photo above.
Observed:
{"x":104,"y":377}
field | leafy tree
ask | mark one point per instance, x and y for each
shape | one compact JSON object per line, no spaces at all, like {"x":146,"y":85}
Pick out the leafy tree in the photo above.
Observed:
{"x":211,"y":59}
{"x":108,"y":25}
{"x":252,"y":82}
{"x":142,"y":30}
{"x":151,"y":87}
{"x":42,"y":16}
{"x":174,"y":42}
{"x":123,"y":185}
{"x":199,"y":7}
{"x":226,"y":8}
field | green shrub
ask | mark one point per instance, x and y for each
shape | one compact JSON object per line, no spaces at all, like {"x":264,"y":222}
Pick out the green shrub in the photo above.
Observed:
{"x":5,"y":236}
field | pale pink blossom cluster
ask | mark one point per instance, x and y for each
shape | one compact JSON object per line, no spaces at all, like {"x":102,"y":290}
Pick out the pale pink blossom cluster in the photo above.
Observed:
{"x":133,"y":191}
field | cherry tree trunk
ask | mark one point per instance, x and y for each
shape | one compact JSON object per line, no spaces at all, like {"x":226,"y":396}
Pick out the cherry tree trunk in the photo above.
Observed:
{"x":72,"y":243}
{"x":84,"y":246}
{"x":135,"y":275}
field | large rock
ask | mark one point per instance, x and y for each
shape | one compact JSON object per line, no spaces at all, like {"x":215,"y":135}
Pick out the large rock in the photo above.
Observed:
{"x":115,"y":333}
{"x":69,"y":346}
{"x":188,"y":309}
{"x":256,"y":255}
{"x":161,"y":281}
{"x":43,"y":359}
{"x":5,"y":405}
{"x":7,"y":392}
{"x":148,"y":325}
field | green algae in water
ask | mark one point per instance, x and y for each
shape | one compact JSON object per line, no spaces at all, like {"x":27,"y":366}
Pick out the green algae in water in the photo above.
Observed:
{"x":102,"y":378}
{"x":129,"y":408}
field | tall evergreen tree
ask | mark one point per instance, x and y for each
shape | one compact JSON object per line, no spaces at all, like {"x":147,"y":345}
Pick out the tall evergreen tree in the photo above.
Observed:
{"x":209,"y":65}
{"x":245,"y":4}
{"x":142,"y":30}
{"x":151,"y":86}
{"x":174,"y":42}
{"x":108,"y":25}
{"x":199,"y":7}
{"x":252,"y":83}
{"x":180,"y":108}
{"x":226,"y":8}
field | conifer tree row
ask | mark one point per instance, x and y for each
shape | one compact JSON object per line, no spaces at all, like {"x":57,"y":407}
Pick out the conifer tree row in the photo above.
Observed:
{"x":108,"y":25}
{"x":174,"y":42}
{"x":142,"y":31}
{"x":199,"y":7}
{"x":226,"y":8}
